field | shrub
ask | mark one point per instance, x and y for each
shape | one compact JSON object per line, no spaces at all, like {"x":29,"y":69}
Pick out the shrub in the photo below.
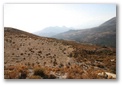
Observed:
{"x":61,"y":65}
{"x":52,"y":76}
{"x":39,"y":72}
{"x":23,"y":58}
{"x":28,"y":54}
{"x":39,"y":51}
{"x":21,"y":54}
{"x":23,"y":75}
{"x":55,"y":63}
{"x":44,"y":63}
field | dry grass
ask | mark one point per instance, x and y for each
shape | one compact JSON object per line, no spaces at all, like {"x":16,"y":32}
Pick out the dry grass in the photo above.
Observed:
{"x":34,"y":57}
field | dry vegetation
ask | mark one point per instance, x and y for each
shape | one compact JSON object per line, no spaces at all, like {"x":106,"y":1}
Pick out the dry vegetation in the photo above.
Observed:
{"x":28,"y":56}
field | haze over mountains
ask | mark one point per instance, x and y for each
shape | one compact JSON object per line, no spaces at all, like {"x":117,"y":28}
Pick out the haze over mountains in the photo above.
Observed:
{"x":105,"y":34}
{"x":51,"y":31}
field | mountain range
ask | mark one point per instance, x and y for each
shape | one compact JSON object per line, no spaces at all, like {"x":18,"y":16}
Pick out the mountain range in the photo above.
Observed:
{"x":51,"y":31}
{"x":105,"y":34}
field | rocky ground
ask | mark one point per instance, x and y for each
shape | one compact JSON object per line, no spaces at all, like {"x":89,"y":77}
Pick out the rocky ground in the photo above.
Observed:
{"x":27,"y":56}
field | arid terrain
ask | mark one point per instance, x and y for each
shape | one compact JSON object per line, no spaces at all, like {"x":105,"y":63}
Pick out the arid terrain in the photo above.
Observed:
{"x":27,"y":56}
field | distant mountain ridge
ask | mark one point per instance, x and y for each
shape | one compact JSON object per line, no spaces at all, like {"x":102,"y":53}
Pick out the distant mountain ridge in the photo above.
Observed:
{"x":105,"y":34}
{"x":51,"y":31}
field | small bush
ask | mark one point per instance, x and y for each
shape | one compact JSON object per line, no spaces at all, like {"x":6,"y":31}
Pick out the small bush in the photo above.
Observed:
{"x":52,"y":77}
{"x":23,"y":58}
{"x":39,"y":51}
{"x":21,"y":54}
{"x":23,"y":75}
{"x":39,"y":72}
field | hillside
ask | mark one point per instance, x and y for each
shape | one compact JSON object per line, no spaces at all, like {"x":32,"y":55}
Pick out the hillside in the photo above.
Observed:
{"x":27,"y":56}
{"x":104,"y":34}
{"x":51,"y":31}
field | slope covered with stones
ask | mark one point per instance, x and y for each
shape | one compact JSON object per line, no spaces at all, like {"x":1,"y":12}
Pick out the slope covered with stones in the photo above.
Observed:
{"x":25,"y":48}
{"x":30,"y":56}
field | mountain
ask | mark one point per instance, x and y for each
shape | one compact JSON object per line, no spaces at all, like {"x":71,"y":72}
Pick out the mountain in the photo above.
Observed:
{"x":105,"y":34}
{"x":28,"y":56}
{"x":50,"y":31}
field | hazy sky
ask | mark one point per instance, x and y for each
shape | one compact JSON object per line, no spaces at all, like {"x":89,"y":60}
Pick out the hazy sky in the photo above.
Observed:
{"x":35,"y":17}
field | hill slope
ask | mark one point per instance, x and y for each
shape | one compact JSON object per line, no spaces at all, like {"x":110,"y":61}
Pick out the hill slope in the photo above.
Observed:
{"x":30,"y":56}
{"x":31,"y":47}
{"x":104,"y":34}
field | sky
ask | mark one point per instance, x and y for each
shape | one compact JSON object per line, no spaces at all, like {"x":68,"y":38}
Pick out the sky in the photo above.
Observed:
{"x":35,"y":17}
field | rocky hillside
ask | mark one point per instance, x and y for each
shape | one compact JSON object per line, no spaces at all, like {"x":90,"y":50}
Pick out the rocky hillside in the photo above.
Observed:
{"x":27,"y":56}
{"x":104,"y":34}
